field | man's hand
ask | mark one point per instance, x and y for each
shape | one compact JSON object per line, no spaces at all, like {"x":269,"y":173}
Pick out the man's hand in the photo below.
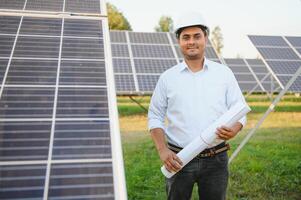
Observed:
{"x":171,"y":161}
{"x":226,"y":133}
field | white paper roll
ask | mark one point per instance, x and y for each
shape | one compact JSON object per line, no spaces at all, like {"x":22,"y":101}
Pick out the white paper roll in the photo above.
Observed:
{"x":208,"y":136}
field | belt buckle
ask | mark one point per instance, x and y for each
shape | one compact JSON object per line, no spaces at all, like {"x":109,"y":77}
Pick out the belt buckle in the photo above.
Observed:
{"x":211,"y":152}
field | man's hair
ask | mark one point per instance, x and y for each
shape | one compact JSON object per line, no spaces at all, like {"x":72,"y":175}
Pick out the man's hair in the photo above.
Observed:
{"x":203,"y":28}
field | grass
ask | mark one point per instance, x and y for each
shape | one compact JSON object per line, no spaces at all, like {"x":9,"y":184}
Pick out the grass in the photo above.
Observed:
{"x":269,"y":167}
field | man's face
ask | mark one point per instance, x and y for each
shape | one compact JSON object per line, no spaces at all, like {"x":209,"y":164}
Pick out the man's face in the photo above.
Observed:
{"x":192,"y":42}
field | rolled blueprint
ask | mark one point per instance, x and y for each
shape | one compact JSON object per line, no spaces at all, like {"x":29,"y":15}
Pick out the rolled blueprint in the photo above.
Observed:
{"x":208,"y":136}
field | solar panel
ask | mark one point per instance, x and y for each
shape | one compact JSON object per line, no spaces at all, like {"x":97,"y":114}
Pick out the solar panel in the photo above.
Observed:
{"x":59,"y":136}
{"x":244,"y":76}
{"x":73,"y":6}
{"x":251,"y":74}
{"x":140,"y":57}
{"x":282,"y":56}
{"x":262,"y":73}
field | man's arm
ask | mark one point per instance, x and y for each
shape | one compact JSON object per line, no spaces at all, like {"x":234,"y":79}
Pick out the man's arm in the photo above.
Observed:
{"x":226,"y":133}
{"x":168,"y":157}
{"x":233,"y":96}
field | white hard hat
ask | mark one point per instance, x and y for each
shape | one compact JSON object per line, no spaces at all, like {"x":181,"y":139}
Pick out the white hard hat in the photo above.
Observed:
{"x":191,"y":18}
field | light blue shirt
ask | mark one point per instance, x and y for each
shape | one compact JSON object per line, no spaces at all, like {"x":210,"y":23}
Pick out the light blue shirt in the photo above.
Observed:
{"x":192,"y":101}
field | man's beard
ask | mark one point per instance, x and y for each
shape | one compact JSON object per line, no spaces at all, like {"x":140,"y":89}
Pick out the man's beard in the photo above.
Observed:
{"x":193,"y":57}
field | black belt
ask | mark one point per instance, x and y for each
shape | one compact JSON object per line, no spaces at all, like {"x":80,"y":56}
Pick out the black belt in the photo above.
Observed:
{"x":207,"y":152}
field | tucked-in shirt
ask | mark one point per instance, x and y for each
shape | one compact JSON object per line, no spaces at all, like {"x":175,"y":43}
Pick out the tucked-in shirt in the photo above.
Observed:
{"x":191,"y":101}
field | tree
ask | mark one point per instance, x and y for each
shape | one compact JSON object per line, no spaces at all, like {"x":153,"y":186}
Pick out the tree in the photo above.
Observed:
{"x":165,"y":24}
{"x":217,"y":39}
{"x":117,"y":21}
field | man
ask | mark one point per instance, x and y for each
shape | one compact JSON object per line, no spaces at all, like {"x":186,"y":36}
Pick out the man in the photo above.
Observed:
{"x":192,"y":95}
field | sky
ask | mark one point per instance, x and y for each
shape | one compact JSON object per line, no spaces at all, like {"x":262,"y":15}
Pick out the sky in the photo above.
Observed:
{"x":236,"y":18}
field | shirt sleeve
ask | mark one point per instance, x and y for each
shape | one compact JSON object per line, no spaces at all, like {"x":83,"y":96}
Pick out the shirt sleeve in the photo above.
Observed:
{"x":235,"y":95}
{"x":158,"y":106}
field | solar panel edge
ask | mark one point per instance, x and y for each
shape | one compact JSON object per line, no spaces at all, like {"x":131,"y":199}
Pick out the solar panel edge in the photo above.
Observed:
{"x":118,"y":163}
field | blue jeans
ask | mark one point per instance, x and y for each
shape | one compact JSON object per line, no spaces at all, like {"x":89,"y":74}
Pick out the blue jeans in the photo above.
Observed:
{"x":211,"y":175}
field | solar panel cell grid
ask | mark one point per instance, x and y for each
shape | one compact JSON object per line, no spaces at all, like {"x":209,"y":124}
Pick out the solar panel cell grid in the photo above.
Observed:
{"x":295,"y":41}
{"x":152,"y":51}
{"x":125,"y":83}
{"x":153,"y":65}
{"x":82,"y":48}
{"x":44,"y":5}
{"x":26,"y":102}
{"x":118,"y":37}
{"x":9,"y":24}
{"x":3,"y":65}
{"x":268,"y":41}
{"x":148,"y":38}
{"x":82,"y":102}
{"x":89,"y":28}
{"x":12,"y":4}
{"x":37,"y":47}
{"x":282,"y":67}
{"x":120,"y":50}
{"x":83,"y":73}
{"x":122,"y":65}
{"x":24,"y":140}
{"x":22,"y":182}
{"x":6,"y":44}
{"x":42,"y":72}
{"x":83,"y":6}
{"x":256,"y":62}
{"x":87,"y":181}
{"x":41,"y":26}
{"x":82,"y":140}
{"x":147,"y":83}
{"x":278,"y":53}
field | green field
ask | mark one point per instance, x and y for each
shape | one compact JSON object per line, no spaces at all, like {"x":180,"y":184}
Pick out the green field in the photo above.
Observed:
{"x":269,"y":167}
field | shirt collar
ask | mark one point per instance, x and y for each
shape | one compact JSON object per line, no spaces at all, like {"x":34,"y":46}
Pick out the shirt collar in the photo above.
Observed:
{"x":184,"y":66}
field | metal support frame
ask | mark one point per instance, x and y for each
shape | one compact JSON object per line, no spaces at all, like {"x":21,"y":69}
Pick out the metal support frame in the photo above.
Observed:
{"x":256,"y":86}
{"x":270,"y":109}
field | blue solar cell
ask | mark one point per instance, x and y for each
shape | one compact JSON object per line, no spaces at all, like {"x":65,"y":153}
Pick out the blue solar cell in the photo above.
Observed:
{"x":268,"y":41}
{"x":45,"y":5}
{"x":6,"y":44}
{"x":153,"y":65}
{"x":41,"y":26}
{"x":32,"y":72}
{"x":152,"y":51}
{"x":284,"y":67}
{"x":295,"y":41}
{"x":12,"y":4}
{"x":83,"y":6}
{"x":82,"y":140}
{"x":125,"y":83}
{"x":9,"y":24}
{"x":24,"y":141}
{"x":83,"y":72}
{"x":26,"y":102}
{"x":278,"y":53}
{"x":148,"y":38}
{"x":89,"y":28}
{"x":117,"y":37}
{"x":22,"y":182}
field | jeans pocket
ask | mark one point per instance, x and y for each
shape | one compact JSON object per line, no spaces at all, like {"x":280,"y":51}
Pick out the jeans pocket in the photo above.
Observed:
{"x":222,"y":158}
